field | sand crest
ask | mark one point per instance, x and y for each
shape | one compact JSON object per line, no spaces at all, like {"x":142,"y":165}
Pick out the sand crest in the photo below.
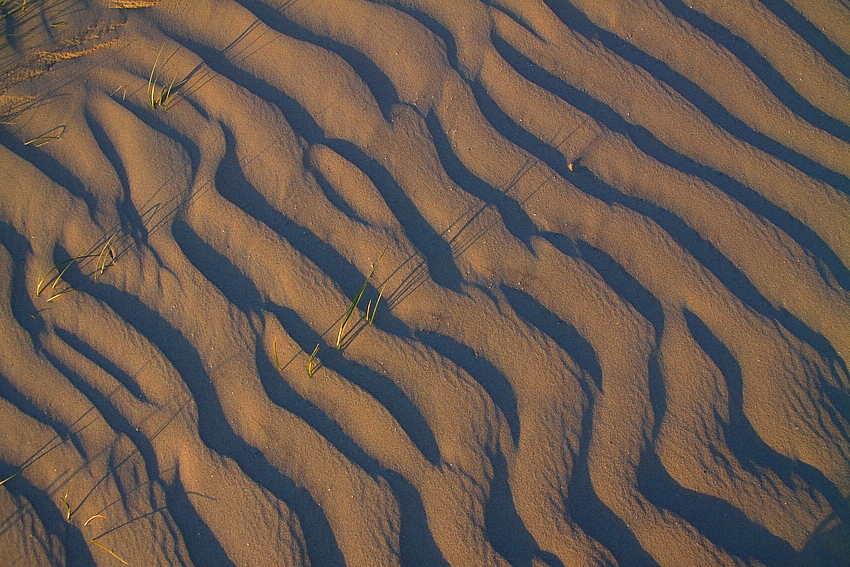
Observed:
{"x":424,"y":283}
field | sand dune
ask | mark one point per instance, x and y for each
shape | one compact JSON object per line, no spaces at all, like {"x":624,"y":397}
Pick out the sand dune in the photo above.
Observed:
{"x":608,"y":315}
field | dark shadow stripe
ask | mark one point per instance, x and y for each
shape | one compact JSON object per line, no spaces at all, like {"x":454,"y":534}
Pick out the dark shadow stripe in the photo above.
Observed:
{"x":74,"y":544}
{"x":117,"y":422}
{"x":23,"y":404}
{"x":382,"y":88}
{"x":650,"y":145}
{"x":562,"y":333}
{"x":811,"y":35}
{"x":52,"y":169}
{"x":437,"y":252}
{"x":214,"y":429}
{"x":735,"y":280}
{"x":416,"y":539}
{"x":380,"y":387}
{"x":242,"y":293}
{"x":515,"y":219}
{"x":438,"y":29}
{"x":417,"y":545}
{"x":632,"y":291}
{"x":516,"y":134}
{"x":752,"y":452}
{"x":23,"y":310}
{"x":757,"y":63}
{"x":424,"y":237}
{"x":718,"y":521}
{"x":695,"y":94}
{"x":109,"y":367}
{"x":131,"y":222}
{"x":593,"y":516}
{"x":482,"y":371}
{"x":331,"y":193}
{"x":231,"y":183}
{"x":504,"y":526}
{"x":200,"y":541}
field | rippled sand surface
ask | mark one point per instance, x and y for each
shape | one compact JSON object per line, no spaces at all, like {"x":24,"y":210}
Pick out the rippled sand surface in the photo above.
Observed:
{"x":597,"y":254}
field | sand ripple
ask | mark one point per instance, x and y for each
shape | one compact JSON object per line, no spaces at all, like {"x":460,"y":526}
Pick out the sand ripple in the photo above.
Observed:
{"x":610,"y":241}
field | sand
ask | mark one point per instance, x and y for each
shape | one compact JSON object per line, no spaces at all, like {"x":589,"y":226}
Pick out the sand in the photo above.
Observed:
{"x":601,"y":252}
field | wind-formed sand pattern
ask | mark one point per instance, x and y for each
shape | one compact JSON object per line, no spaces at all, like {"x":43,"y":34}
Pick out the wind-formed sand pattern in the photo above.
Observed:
{"x":610,"y":239}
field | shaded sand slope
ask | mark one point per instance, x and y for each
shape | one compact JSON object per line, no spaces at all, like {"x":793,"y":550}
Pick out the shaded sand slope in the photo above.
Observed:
{"x":610,"y":240}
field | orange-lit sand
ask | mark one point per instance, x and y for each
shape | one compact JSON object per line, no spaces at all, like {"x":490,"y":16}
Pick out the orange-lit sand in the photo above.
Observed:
{"x":615,"y":316}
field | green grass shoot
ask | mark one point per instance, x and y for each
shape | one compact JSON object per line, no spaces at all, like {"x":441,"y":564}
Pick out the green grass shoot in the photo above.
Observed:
{"x":311,"y":362}
{"x":161,"y":95}
{"x":102,"y":257}
{"x":370,"y":313}
{"x":60,"y":269}
{"x":355,"y":301}
{"x":68,"y":511}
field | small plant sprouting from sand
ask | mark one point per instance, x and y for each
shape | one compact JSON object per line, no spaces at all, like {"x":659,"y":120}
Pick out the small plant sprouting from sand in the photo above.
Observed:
{"x":105,"y":258}
{"x":356,"y":300}
{"x":68,"y":511}
{"x":161,"y":96}
{"x":312,"y":365}
{"x":370,"y":311}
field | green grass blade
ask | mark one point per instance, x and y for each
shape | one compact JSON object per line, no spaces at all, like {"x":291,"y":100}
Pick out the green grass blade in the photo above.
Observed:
{"x":356,"y":300}
{"x":311,"y":369}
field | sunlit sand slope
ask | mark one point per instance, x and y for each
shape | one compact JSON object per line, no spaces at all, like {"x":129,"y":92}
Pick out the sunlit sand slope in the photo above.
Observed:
{"x":606,"y":310}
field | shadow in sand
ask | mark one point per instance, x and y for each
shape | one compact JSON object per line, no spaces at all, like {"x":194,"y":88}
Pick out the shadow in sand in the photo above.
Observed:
{"x":594,"y":517}
{"x":717,"y":520}
{"x":200,"y":541}
{"x":742,"y":438}
{"x":482,"y":371}
{"x":418,"y":547}
{"x":565,"y":335}
{"x":649,"y":144}
{"x":514,"y":218}
{"x":214,"y":429}
{"x":240,"y":290}
{"x":632,"y":291}
{"x":828,"y":545}
{"x":434,"y":249}
{"x":74,"y":544}
{"x":504,"y":526}
{"x":378,"y":82}
{"x":701,"y":99}
{"x":416,"y":540}
{"x":762,"y":68}
{"x":21,"y":304}
{"x":811,"y":34}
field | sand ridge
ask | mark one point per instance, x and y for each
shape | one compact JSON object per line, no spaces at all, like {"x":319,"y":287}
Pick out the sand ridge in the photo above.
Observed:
{"x":608,"y":245}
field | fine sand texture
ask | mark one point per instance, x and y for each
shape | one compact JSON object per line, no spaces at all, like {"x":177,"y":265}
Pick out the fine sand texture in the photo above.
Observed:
{"x":529,"y":283}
